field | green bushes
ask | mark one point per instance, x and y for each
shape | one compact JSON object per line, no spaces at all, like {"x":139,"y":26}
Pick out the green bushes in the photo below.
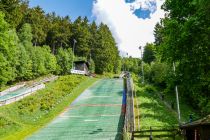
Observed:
{"x":158,"y":73}
{"x":64,"y":59}
{"x":7,"y":125}
{"x":182,"y":38}
{"x":150,"y":89}
{"x":20,"y":60}
{"x":37,"y":107}
{"x":131,"y":64}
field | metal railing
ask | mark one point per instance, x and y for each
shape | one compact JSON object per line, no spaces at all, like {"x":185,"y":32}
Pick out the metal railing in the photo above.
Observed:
{"x":29,"y":91}
{"x":11,"y":89}
{"x":129,"y":116}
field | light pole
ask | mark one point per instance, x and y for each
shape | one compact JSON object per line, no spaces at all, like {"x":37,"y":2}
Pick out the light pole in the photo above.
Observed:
{"x":123,"y":63}
{"x":177,"y":96}
{"x":123,"y":55}
{"x":73,"y":54}
{"x":127,"y":69}
{"x":142,"y":67}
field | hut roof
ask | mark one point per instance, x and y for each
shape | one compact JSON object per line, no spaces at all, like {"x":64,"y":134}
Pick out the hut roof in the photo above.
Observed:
{"x":82,"y":61}
{"x":203,"y":121}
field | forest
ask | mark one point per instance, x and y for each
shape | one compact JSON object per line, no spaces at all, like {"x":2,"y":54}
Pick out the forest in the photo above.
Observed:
{"x":34,"y":43}
{"x":182,"y":38}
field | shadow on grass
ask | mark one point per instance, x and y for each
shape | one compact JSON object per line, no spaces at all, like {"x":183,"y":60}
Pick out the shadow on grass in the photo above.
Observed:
{"x":152,"y":110}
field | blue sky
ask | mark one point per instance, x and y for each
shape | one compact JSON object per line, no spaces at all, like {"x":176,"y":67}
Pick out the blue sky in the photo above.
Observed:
{"x":73,"y":8}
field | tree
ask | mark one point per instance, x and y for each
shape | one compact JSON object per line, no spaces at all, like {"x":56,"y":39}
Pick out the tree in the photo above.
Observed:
{"x":158,"y":34}
{"x":132,"y":64}
{"x":5,"y":71}
{"x":35,"y":16}
{"x":25,"y":35}
{"x":33,"y":61}
{"x":184,"y":39}
{"x":59,"y":32}
{"x":81,"y":33}
{"x":8,"y":51}
{"x":50,"y":60}
{"x":64,"y":59}
{"x":93,"y":29}
{"x":25,"y":49}
{"x":14,"y":11}
{"x":118,"y":65}
{"x":92,"y":66}
{"x":105,"y":55}
{"x":149,"y":54}
{"x":24,"y":67}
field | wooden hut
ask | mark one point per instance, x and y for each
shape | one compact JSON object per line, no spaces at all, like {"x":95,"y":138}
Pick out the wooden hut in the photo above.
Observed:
{"x":80,"y":67}
{"x":197,"y":130}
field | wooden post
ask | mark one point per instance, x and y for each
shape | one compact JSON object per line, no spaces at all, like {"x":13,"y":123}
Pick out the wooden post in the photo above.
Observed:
{"x":150,"y":138}
{"x":132,"y":135}
{"x":195,"y":134}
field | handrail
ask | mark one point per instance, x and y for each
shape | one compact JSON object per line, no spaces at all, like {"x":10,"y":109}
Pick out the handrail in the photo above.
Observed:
{"x":20,"y":96}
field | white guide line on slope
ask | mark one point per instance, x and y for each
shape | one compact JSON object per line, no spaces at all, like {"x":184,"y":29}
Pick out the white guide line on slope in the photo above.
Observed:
{"x":97,"y":115}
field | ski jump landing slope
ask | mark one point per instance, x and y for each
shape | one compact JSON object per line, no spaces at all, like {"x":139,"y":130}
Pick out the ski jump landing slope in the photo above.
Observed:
{"x":94,"y":115}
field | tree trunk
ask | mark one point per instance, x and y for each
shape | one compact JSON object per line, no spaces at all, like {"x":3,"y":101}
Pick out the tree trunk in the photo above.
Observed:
{"x":53,"y":51}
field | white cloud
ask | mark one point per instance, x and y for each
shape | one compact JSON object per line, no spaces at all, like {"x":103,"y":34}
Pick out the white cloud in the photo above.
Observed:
{"x":143,"y":4}
{"x":128,"y":30}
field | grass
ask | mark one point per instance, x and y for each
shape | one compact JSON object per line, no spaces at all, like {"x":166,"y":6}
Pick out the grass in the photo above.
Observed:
{"x":170,"y":97}
{"x":185,"y":108}
{"x":24,"y":117}
{"x":153,"y":112}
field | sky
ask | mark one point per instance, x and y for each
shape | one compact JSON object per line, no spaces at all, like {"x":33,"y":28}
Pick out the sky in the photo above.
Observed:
{"x":131,"y":21}
{"x":73,"y":8}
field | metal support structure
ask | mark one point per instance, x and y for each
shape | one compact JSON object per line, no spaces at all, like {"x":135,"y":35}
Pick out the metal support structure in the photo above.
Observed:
{"x":124,"y":64}
{"x":142,"y":67}
{"x":177,"y":96}
{"x":127,"y":66}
